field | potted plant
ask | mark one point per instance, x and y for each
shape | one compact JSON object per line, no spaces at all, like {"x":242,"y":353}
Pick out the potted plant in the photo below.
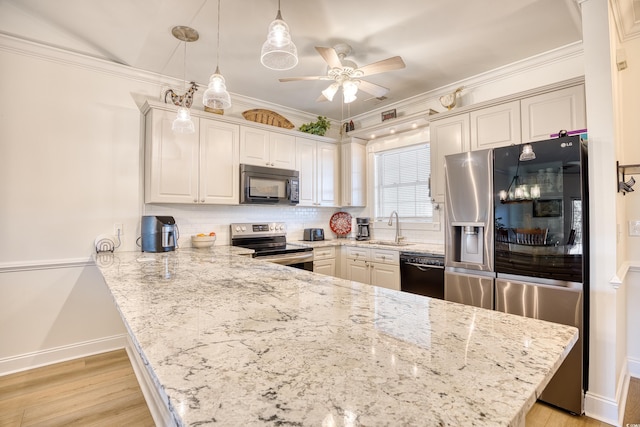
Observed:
{"x":316,"y":128}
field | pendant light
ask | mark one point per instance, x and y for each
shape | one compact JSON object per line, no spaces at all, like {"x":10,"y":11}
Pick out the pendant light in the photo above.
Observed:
{"x":183,"y":122}
{"x":216,"y":95}
{"x":279,"y":52}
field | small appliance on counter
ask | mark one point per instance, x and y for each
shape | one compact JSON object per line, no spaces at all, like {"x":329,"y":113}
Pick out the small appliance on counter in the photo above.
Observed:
{"x":313,"y":234}
{"x":158,"y":234}
{"x":363,"y":229}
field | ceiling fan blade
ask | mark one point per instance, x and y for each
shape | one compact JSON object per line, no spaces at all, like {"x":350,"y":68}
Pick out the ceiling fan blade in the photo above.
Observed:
{"x":293,"y":79}
{"x":389,"y":64}
{"x":330,"y":56}
{"x":373,"y":89}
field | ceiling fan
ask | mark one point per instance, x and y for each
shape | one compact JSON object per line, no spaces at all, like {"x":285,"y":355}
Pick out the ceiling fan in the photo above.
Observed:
{"x":347,"y":74}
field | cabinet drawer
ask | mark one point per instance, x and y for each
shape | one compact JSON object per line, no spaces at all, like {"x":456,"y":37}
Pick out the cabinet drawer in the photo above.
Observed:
{"x":385,"y":256}
{"x":354,"y":252}
{"x":324,"y":253}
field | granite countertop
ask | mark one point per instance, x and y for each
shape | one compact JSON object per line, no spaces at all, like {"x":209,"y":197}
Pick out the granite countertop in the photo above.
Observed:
{"x":233,"y":340}
{"x":426,"y":248}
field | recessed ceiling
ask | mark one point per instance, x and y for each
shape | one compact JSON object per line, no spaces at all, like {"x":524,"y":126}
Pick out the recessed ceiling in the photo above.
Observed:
{"x":441,"y":41}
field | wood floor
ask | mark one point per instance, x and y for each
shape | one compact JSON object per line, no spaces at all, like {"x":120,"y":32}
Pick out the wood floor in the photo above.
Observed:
{"x":102,"y":390}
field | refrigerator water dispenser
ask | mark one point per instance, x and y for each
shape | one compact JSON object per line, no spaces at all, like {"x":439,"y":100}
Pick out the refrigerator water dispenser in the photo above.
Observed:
{"x":471,"y":244}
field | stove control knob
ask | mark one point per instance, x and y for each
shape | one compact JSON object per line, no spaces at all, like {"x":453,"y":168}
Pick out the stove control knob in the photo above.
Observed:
{"x":237,"y":228}
{"x":272,"y":227}
{"x":244,"y":228}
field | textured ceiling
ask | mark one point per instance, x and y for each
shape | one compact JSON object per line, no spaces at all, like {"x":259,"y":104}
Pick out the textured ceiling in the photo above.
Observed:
{"x":441,"y":41}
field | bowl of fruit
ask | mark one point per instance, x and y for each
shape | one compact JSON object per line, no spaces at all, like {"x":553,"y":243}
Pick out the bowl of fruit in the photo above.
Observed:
{"x":202,"y":240}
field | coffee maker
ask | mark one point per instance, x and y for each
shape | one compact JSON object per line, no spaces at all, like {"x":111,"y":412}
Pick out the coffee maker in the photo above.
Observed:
{"x":363,"y":229}
{"x":159,"y":234}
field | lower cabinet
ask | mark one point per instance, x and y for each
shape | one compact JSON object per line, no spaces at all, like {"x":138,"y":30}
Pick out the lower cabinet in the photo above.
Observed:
{"x":324,"y":260}
{"x":377,"y":267}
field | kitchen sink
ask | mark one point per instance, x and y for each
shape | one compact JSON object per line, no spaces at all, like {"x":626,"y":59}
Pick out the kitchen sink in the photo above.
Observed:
{"x":387,"y":243}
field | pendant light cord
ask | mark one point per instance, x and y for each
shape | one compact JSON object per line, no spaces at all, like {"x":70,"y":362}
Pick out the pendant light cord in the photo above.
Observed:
{"x":218,"y":47}
{"x":184,"y":74}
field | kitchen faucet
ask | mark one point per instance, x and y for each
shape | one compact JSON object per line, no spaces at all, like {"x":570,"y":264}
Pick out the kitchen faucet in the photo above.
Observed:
{"x":398,"y":237}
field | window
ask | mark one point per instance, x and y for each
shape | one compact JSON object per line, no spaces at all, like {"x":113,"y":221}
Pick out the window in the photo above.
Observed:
{"x":402,"y":183}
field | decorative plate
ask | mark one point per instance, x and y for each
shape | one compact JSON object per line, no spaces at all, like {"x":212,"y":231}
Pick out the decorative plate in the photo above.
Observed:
{"x":267,"y":117}
{"x":340,"y":223}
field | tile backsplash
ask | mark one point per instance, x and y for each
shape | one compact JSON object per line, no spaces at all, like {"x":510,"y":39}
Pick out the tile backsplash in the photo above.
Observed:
{"x":205,"y":219}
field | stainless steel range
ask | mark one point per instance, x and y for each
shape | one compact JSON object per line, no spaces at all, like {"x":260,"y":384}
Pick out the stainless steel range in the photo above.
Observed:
{"x":269,"y":241}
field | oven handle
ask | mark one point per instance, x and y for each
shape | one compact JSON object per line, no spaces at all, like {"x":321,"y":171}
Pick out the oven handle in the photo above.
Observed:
{"x":288,"y":259}
{"x":424,"y":267}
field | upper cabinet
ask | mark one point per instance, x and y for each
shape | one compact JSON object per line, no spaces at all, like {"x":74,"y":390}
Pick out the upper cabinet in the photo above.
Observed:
{"x":496,"y":126}
{"x":354,"y":177}
{"x":317,"y":163}
{"x":548,"y":113}
{"x":264,"y":148}
{"x":448,"y":136}
{"x":201,"y":167}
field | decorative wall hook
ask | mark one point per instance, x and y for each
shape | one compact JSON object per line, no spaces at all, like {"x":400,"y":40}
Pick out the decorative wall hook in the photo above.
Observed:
{"x":178,"y":100}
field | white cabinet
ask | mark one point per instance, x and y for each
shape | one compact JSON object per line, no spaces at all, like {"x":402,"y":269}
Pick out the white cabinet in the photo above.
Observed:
{"x":497,"y":126}
{"x":448,"y":136}
{"x":377,"y":267}
{"x":354,"y":179}
{"x":263,"y":148}
{"x":324,"y":260}
{"x":190,"y":168}
{"x":317,"y":163}
{"x":547,"y":113}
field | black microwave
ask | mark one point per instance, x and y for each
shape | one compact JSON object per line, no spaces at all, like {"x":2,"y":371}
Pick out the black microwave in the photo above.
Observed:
{"x":264,"y":185}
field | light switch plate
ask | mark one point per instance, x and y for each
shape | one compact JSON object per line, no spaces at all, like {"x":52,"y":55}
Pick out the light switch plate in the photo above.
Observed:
{"x":634,"y":228}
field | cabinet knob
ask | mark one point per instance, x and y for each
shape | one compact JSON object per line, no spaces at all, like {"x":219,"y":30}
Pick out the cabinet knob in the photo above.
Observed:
{"x":195,"y":200}
{"x":202,"y":200}
{"x":272,"y":164}
{"x":267,"y":164}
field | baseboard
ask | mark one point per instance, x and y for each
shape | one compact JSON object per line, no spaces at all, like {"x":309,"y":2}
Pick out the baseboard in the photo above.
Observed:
{"x":157,"y":400}
{"x":634,"y":367}
{"x":610,"y":411}
{"x":50,"y":356}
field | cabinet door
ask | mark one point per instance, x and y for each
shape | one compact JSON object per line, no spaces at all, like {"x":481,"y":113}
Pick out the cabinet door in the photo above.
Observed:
{"x":546,"y":114}
{"x":306,"y":166}
{"x":219,"y":162}
{"x":328,"y":175}
{"x":171,"y":160}
{"x":325,"y":266}
{"x":282,"y":151}
{"x":254,"y":146}
{"x":353,"y":162}
{"x":448,"y":136}
{"x":496,"y":126}
{"x":385,"y":275}
{"x":358,"y":270}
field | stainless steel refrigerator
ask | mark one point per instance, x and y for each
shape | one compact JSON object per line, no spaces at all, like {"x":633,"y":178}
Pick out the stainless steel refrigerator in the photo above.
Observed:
{"x":541,"y":247}
{"x":469,"y":229}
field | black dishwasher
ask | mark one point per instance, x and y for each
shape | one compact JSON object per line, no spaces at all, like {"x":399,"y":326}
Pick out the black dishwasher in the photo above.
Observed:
{"x":422,"y":274}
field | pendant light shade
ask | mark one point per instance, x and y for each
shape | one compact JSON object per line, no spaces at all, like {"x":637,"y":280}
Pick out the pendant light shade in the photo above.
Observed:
{"x":216,"y":95}
{"x":183,"y":122}
{"x":279,"y":52}
{"x":527,"y":153}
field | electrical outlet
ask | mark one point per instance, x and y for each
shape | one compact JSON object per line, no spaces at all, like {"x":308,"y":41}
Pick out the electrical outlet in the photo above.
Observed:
{"x":634,"y":228}
{"x":117,"y":229}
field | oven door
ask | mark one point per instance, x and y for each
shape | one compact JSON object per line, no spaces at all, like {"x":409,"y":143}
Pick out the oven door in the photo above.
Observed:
{"x":301,"y":260}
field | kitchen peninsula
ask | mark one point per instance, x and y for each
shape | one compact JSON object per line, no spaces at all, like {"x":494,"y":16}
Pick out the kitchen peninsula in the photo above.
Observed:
{"x":230,"y":340}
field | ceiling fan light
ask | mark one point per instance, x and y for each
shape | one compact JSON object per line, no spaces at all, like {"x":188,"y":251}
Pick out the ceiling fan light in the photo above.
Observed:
{"x":349,"y":90}
{"x":331,"y":91}
{"x":216,"y":95}
{"x":183,"y":122}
